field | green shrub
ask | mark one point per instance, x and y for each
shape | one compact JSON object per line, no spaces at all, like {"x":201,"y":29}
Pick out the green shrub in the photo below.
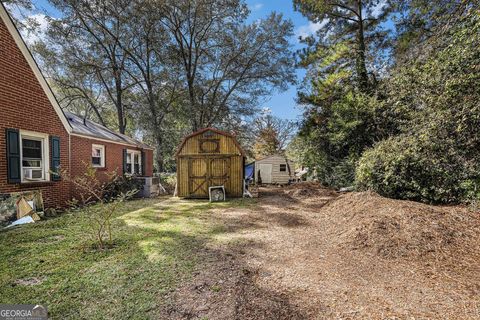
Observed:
{"x":120,"y":185}
{"x":168,"y":181}
{"x":98,"y":200}
{"x":437,"y":157}
{"x":421,"y":169}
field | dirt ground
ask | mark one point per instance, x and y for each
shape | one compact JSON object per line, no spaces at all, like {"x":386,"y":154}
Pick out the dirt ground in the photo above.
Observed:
{"x":309,"y":253}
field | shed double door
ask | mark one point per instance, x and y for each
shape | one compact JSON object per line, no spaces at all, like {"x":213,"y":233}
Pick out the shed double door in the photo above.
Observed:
{"x":204,"y":172}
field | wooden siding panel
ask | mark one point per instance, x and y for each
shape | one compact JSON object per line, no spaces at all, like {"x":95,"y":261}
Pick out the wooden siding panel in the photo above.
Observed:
{"x":192,"y":145}
{"x":228,"y":161}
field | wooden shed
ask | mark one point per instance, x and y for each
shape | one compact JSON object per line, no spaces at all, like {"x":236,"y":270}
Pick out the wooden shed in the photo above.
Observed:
{"x":209,"y":157}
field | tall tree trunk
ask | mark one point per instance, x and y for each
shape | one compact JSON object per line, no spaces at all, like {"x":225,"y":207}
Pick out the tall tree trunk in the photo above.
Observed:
{"x":159,"y":155}
{"x":361,"y":67}
{"x":119,"y":105}
{"x":191,"y":95}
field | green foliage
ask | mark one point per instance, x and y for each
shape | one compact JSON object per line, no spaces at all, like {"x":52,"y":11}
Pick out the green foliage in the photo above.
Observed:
{"x":437,"y":158}
{"x":334,"y":136}
{"x":421,"y":119}
{"x":99,"y":200}
{"x":418,"y":169}
{"x":168,"y":181}
{"x":121,"y":185}
{"x":343,"y":104}
{"x":350,"y":38}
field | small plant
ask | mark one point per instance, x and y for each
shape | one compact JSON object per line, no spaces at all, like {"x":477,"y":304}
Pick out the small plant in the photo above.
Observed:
{"x":168,"y":182}
{"x":216,"y":288}
{"x":119,"y":185}
{"x":98,"y":200}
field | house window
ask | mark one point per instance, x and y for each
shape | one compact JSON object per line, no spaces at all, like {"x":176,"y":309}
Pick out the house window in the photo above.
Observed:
{"x":134,"y":162}
{"x":129,"y":162}
{"x":34,"y":156}
{"x":283,"y":168}
{"x":98,"y":156}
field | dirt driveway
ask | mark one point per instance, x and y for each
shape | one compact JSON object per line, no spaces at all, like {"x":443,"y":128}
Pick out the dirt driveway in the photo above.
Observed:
{"x":313,"y":254}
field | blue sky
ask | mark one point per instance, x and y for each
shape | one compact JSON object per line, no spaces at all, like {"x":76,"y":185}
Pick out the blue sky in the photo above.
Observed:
{"x":282,"y":104}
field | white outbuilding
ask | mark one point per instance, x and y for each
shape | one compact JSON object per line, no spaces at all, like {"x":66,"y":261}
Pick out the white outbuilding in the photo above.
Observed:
{"x":274,"y":169}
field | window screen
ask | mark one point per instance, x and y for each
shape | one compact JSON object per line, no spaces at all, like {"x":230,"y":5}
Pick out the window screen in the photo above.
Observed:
{"x":98,"y":155}
{"x":136,"y":163}
{"x":31,"y":153}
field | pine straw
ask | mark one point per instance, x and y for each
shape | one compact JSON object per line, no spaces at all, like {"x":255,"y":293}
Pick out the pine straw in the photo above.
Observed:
{"x":304,"y":190}
{"x":394,"y":228}
{"x":307,"y":252}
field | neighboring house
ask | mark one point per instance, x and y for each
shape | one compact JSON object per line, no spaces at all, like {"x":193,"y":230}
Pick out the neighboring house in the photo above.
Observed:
{"x":207,"y":158}
{"x":274,"y":169}
{"x":36,"y":137}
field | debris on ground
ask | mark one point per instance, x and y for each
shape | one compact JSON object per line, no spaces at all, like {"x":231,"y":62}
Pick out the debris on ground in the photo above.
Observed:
{"x":19,"y":205}
{"x":24,"y":220}
{"x":347,"y":189}
{"x":314,"y":253}
{"x":29,"y":281}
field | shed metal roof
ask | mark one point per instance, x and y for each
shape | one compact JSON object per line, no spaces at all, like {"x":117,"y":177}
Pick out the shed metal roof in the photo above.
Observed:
{"x":95,"y":130}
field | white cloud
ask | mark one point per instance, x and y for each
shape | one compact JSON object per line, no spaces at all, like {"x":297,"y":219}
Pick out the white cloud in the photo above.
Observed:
{"x":256,"y":6}
{"x":378,"y":9}
{"x":36,"y":26}
{"x":310,"y":29}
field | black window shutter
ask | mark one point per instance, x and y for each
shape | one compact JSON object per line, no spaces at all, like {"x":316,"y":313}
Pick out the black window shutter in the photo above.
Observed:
{"x":143,"y":162}
{"x":13,"y":155}
{"x":55,"y":158}
{"x":124,"y":161}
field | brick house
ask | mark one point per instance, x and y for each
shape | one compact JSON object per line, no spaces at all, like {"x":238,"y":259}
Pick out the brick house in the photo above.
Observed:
{"x":36,"y":136}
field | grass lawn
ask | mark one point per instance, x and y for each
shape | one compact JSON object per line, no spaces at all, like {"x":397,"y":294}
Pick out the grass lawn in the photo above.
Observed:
{"x":155,"y":247}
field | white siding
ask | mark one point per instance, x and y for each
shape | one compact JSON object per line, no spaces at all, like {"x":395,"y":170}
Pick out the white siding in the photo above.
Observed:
{"x":277,"y":175}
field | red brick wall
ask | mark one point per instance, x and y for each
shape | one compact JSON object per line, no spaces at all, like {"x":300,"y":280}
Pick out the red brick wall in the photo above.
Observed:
{"x":24,"y":105}
{"x":148,"y":162}
{"x":82,"y":153}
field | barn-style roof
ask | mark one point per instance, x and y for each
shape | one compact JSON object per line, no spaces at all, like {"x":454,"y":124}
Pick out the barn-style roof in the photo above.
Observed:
{"x":213,"y":130}
{"x":94,"y":130}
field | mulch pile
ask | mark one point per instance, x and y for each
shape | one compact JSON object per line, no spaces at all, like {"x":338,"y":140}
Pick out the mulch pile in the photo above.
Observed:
{"x":395,"y":228}
{"x":307,"y":252}
{"x":307,"y":189}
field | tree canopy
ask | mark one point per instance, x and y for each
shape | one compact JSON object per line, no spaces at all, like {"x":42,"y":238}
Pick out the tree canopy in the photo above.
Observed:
{"x":163,"y":69}
{"x":409,"y":132}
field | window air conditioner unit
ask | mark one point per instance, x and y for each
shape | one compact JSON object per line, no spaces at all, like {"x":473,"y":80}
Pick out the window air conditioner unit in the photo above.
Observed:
{"x":32,"y":174}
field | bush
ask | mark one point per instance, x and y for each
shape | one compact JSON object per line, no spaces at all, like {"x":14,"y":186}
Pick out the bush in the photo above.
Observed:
{"x":100,"y":201}
{"x":168,"y":181}
{"x":437,"y":158}
{"x":120,"y":185}
{"x":420,"y":169}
